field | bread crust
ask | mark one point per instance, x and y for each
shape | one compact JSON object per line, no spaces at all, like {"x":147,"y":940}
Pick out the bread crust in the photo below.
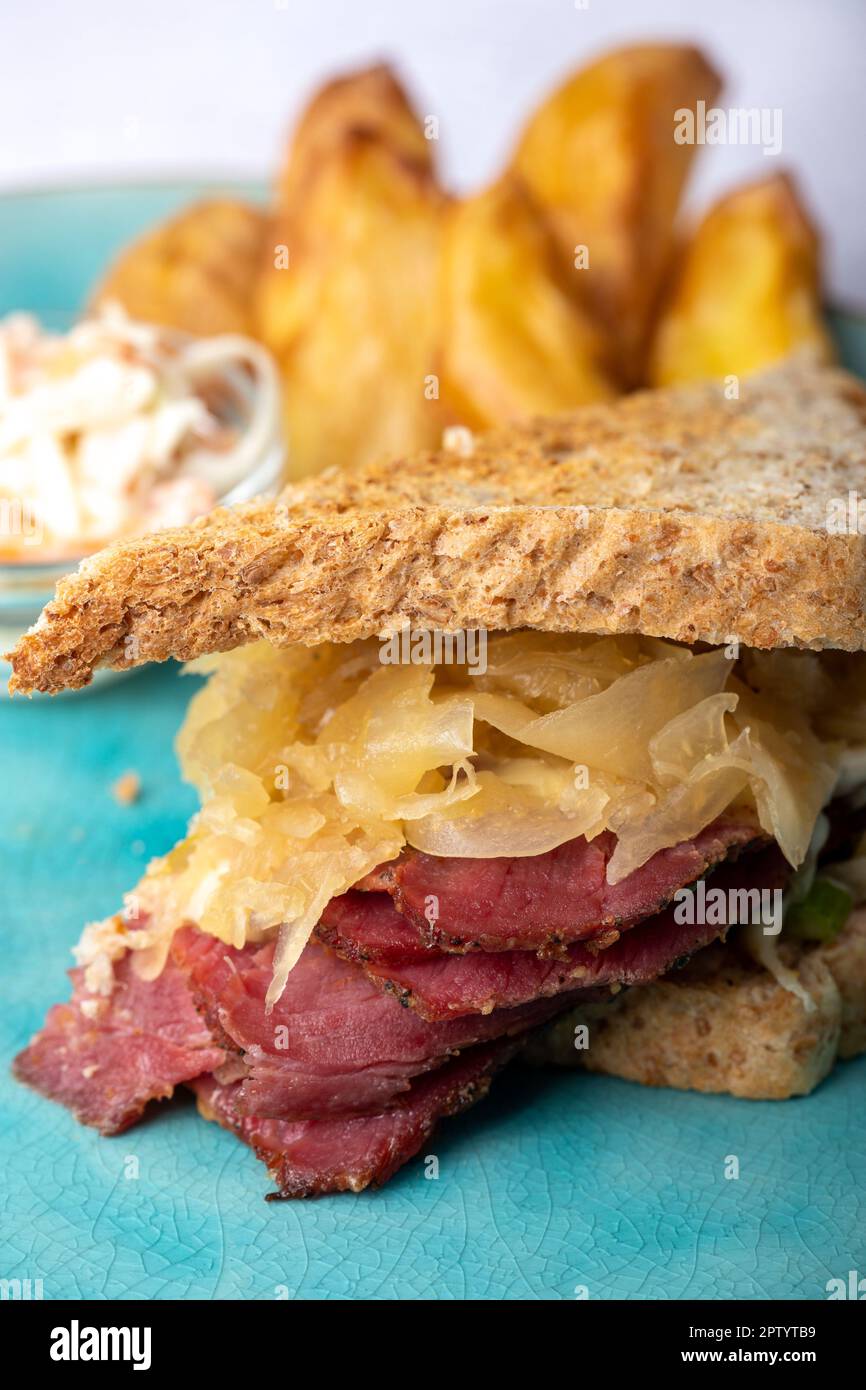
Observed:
{"x":675,"y":513}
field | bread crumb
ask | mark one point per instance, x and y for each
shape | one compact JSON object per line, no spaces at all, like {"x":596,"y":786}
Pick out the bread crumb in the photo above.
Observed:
{"x":127,"y":788}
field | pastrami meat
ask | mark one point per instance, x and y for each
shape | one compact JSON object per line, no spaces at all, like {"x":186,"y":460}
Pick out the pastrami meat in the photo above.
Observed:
{"x":351,"y":1152}
{"x":382,"y":1030}
{"x":365,"y":927}
{"x":545,"y":900}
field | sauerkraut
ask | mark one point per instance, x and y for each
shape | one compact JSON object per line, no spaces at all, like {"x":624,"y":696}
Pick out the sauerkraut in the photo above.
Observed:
{"x":315,"y":765}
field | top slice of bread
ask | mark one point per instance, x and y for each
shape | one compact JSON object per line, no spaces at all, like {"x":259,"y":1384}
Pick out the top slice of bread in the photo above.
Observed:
{"x":676,"y":513}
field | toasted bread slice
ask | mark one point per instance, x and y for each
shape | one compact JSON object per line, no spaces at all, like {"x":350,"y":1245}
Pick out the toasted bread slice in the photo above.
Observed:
{"x":725,"y":1024}
{"x":676,"y":513}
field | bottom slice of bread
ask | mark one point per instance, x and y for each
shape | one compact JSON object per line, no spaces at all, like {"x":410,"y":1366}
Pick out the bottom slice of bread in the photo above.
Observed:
{"x":723,"y":1023}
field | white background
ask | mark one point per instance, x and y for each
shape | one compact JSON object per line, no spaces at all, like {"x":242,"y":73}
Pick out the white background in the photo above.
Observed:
{"x":95,"y":89}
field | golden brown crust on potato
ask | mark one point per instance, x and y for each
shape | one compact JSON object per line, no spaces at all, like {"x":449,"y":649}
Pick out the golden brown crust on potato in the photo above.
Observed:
{"x":516,"y":340}
{"x":196,"y":271}
{"x":370,"y":101}
{"x":352,"y":321}
{"x":747,"y":290}
{"x":601,"y":157}
{"x":678,"y":514}
{"x":347,"y":300}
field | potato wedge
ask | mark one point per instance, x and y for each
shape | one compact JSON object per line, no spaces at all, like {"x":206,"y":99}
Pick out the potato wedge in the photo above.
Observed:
{"x":516,"y":341}
{"x":196,"y":272}
{"x":600,"y":156}
{"x":352,"y":317}
{"x":747,"y":291}
{"x":369,"y":99}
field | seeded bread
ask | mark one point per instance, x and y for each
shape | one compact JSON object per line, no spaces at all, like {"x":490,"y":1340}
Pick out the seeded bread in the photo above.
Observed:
{"x":677,"y":513}
{"x":724,"y":1024}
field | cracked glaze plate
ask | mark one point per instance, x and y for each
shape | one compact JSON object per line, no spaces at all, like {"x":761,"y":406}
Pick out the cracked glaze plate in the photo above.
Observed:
{"x":559,"y":1186}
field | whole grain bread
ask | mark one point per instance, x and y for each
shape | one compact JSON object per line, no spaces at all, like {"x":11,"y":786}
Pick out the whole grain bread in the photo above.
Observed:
{"x":677,"y":513}
{"x":723,"y":1023}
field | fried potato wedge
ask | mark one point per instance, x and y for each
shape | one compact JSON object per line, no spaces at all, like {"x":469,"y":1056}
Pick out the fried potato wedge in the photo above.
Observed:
{"x":351,"y":312}
{"x":370,"y":100}
{"x":600,"y":156}
{"x":747,"y":291}
{"x":516,"y":341}
{"x":196,"y":272}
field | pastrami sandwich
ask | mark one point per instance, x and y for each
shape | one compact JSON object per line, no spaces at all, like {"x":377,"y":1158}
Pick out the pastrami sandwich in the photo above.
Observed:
{"x":491,"y":744}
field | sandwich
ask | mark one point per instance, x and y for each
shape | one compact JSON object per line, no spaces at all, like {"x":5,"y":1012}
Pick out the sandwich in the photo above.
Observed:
{"x":497,"y":745}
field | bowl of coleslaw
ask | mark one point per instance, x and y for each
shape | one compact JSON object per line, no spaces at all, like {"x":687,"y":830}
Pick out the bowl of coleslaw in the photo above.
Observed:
{"x":115,"y":429}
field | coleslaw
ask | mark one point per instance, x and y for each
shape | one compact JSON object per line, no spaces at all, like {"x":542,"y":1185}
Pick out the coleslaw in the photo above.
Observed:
{"x":121,"y":427}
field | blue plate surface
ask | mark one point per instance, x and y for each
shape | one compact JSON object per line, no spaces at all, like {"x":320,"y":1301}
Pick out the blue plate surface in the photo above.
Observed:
{"x":559,"y":1186}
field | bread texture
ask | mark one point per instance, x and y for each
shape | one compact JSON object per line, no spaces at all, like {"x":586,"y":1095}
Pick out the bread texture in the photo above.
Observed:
{"x":677,"y":513}
{"x":723,"y":1023}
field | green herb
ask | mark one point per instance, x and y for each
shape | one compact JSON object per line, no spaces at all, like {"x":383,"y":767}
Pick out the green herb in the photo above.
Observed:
{"x":822,"y":914}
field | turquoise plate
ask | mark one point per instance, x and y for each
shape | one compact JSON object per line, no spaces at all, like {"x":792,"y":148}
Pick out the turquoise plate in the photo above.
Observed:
{"x":560,"y":1186}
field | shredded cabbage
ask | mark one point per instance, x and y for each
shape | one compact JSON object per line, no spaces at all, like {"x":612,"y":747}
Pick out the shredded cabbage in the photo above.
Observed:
{"x":765,"y":950}
{"x":316,"y":765}
{"x":121,"y":427}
